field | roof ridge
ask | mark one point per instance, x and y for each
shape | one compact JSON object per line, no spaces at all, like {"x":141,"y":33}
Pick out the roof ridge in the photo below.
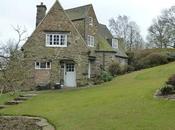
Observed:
{"x":78,"y":7}
{"x":100,"y":24}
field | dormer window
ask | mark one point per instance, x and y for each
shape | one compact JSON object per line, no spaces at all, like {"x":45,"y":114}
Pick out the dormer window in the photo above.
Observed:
{"x":115,"y":43}
{"x":56,"y":40}
{"x":91,"y":21}
{"x":90,"y":41}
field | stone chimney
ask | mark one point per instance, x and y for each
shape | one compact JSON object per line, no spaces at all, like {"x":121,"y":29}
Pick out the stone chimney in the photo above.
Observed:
{"x":41,"y":12}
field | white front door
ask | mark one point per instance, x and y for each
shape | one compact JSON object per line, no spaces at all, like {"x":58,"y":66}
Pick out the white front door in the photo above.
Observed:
{"x":69,"y":75}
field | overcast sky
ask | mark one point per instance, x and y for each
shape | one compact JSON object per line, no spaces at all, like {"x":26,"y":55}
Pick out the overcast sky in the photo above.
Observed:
{"x":23,"y":12}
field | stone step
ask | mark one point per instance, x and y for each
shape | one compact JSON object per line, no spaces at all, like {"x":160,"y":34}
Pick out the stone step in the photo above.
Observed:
{"x":28,"y":95}
{"x":2,"y":106}
{"x":13,"y":102}
{"x":22,"y":98}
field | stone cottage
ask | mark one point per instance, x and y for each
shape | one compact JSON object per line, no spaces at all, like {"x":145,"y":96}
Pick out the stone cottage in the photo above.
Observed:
{"x":70,"y":46}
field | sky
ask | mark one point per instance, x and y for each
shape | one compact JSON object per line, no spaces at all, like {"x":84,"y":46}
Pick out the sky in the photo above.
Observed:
{"x":23,"y":12}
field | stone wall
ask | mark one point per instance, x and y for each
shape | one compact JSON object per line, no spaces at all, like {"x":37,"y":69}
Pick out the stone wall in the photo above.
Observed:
{"x":24,"y":123}
{"x":105,"y":59}
{"x":16,"y":123}
{"x":80,"y":25}
{"x":35,"y":48}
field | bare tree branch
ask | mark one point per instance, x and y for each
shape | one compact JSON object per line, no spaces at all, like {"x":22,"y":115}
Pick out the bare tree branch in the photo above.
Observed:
{"x":12,"y":66}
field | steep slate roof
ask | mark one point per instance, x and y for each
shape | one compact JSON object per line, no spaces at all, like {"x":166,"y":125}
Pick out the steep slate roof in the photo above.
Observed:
{"x":103,"y":44}
{"x":78,"y":12}
{"x":121,"y":51}
{"x":104,"y":31}
{"x":106,"y":34}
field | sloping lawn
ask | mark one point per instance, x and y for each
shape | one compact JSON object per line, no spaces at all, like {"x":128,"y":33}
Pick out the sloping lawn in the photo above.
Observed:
{"x":6,"y":97}
{"x":126,"y":103}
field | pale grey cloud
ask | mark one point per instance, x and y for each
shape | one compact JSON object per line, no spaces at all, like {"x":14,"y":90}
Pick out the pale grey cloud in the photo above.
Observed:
{"x":23,"y":12}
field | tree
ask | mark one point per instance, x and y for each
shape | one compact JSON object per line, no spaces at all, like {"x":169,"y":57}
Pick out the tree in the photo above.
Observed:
{"x":168,"y":16}
{"x":158,"y":33}
{"x":13,"y":68}
{"x":161,"y":33}
{"x":122,"y":27}
{"x":119,"y":27}
{"x":134,"y":39}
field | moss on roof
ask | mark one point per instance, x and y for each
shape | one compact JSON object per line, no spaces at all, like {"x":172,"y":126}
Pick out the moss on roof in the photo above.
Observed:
{"x":103,"y":44}
{"x":104,"y":31}
{"x":121,"y":48}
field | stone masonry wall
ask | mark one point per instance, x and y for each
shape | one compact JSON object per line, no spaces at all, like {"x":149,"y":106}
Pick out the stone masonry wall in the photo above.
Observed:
{"x":36,"y":50}
{"x":105,"y":57}
{"x":80,"y":25}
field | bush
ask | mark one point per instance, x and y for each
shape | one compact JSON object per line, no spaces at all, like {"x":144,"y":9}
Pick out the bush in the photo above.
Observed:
{"x":154,"y":59}
{"x":114,"y":69}
{"x":149,"y":58}
{"x":106,"y":76}
{"x":167,"y":89}
{"x":171,"y":80}
{"x":171,"y":57}
{"x":131,"y":68}
{"x":43,"y":86}
{"x":123,"y":69}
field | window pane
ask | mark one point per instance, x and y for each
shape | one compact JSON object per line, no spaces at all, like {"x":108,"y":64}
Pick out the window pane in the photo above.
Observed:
{"x":90,"y":41}
{"x":63,"y":39}
{"x":114,"y":43}
{"x":48,"y":65}
{"x":43,"y":65}
{"x":90,"y":21}
{"x":37,"y":65}
{"x":50,"y":39}
{"x":56,"y":39}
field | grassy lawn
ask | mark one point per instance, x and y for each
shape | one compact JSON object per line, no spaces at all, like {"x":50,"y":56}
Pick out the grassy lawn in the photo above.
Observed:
{"x":126,"y":103}
{"x":6,"y":97}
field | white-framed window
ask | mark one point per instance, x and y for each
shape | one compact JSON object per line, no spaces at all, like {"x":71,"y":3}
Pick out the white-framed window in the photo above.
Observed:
{"x":91,"y":21}
{"x":42,"y":65}
{"x":90,"y":41}
{"x":56,"y":40}
{"x":115,"y":43}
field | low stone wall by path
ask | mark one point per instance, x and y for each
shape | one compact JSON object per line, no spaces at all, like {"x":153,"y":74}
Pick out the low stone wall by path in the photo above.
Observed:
{"x":167,"y":97}
{"x":24,"y":123}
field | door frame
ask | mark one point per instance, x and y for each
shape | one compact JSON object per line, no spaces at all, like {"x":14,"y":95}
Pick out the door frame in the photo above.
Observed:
{"x":65,"y":72}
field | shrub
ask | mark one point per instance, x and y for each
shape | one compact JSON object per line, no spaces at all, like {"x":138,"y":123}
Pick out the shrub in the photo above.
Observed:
{"x":149,"y":58}
{"x":154,"y":59}
{"x":171,"y":80}
{"x":123,"y":69}
{"x":43,"y":86}
{"x":106,"y":76}
{"x":167,"y":89}
{"x":131,"y":68}
{"x":114,"y":69}
{"x":171,"y":57}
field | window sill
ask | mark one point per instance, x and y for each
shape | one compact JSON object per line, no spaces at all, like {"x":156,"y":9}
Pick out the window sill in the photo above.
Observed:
{"x":91,"y":46}
{"x":55,"y":46}
{"x":42,"y":68}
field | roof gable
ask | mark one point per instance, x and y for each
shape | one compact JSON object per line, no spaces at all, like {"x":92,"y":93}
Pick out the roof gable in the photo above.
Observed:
{"x":56,"y":20}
